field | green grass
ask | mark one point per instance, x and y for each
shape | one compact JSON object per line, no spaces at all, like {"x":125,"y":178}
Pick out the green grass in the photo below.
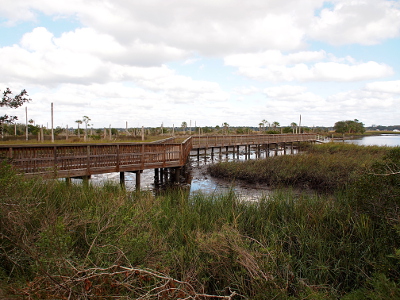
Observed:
{"x":89,"y":242}
{"x":322,"y":167}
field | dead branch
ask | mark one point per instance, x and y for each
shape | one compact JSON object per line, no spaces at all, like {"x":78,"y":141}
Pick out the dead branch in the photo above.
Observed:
{"x":118,"y":281}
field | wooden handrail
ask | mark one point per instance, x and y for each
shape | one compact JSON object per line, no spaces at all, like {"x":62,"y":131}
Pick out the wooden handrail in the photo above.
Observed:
{"x":71,"y":160}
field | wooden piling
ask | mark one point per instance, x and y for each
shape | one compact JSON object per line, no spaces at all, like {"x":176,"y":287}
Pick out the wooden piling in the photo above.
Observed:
{"x":177,"y":175}
{"x":137,"y":180}
{"x":122,"y":179}
{"x":156,"y":176}
{"x":161,"y":175}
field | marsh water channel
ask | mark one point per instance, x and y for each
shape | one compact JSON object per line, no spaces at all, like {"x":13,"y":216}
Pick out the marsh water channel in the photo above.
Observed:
{"x":198,"y":179}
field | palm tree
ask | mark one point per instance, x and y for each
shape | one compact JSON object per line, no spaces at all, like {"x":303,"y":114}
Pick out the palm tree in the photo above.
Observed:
{"x":79,"y":132}
{"x":261,"y":125}
{"x":86,"y":119}
{"x":293,"y":125}
{"x":265,"y":122}
{"x":226,"y":127}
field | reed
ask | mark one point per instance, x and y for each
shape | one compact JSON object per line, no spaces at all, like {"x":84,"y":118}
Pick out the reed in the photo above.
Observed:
{"x":322,"y":167}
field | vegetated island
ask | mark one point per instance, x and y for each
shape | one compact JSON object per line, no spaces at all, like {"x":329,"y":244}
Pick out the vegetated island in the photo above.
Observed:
{"x":82,"y":242}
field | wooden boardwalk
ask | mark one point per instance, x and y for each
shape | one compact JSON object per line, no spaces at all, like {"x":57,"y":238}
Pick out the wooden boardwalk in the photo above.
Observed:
{"x":78,"y":160}
{"x":205,"y":142}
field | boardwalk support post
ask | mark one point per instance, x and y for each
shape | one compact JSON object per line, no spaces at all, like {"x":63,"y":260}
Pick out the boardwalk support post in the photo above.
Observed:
{"x":137,"y":180}
{"x":156,"y":176}
{"x":177,"y":174}
{"x":162,"y":175}
{"x":122,"y":179}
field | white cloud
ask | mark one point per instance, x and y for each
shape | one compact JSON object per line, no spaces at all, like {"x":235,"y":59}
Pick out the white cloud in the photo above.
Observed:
{"x":202,"y":26}
{"x":305,"y":66}
{"x":272,"y":57}
{"x":364,"y":22}
{"x":222,"y":28}
{"x":371,"y":104}
{"x":246,"y":90}
{"x":191,"y":61}
{"x":284,"y":91}
{"x":391,"y":87}
{"x":40,"y":39}
{"x":332,"y":71}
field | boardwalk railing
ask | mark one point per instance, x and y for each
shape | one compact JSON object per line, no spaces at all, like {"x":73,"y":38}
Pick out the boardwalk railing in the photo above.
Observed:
{"x":83,"y":160}
{"x":72,"y":160}
{"x":240,"y":140}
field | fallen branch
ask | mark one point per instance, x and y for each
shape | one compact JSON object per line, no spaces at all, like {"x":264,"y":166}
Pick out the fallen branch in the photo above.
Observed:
{"x":116,"y":281}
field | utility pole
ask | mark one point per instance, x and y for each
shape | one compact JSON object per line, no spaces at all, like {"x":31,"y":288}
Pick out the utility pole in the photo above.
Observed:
{"x":26,"y":122}
{"x":300,"y":125}
{"x":52,"y":124}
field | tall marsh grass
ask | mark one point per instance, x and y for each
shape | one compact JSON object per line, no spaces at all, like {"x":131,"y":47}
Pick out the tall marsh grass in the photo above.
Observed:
{"x":321,"y":167}
{"x":85,"y":242}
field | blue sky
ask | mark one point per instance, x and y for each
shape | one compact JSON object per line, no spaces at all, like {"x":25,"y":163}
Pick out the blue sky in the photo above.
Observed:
{"x":153,"y":62}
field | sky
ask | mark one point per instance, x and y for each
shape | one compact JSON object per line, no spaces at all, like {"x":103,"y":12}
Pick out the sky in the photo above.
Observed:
{"x":152,"y":62}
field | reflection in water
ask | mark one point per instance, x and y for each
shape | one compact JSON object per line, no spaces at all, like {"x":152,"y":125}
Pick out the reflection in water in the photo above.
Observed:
{"x":203,"y":182}
{"x":197,"y":177}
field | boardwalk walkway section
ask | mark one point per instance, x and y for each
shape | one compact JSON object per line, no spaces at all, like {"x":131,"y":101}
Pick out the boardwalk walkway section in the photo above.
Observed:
{"x":204,"y":142}
{"x":80,"y":160}
{"x":74,"y":160}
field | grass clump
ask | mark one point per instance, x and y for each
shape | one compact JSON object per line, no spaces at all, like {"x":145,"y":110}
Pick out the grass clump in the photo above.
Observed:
{"x":322,"y":167}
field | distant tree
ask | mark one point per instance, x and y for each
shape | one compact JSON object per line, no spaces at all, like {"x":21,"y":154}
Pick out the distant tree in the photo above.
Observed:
{"x":226,"y":127}
{"x":206,"y":129}
{"x":275,"y":124}
{"x":349,"y":126}
{"x":294,"y":126}
{"x":184,"y":126}
{"x":58,"y":130}
{"x":12,"y":102}
{"x":265,"y":122}
{"x":79,"y":132}
{"x":86,"y":120}
{"x":287,"y":130}
{"x":240,"y":130}
{"x":32,"y":129}
{"x":114,"y":131}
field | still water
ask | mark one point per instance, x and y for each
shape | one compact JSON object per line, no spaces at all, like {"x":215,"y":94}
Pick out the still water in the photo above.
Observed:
{"x":378,"y":140}
{"x":204,"y":183}
{"x":198,"y":178}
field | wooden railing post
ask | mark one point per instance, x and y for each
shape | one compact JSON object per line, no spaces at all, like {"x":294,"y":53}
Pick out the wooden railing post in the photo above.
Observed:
{"x":142,"y":158}
{"x":164,"y":156}
{"x":118,"y":159}
{"x":88,"y":160}
{"x":55,"y":159}
{"x":181,"y":154}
